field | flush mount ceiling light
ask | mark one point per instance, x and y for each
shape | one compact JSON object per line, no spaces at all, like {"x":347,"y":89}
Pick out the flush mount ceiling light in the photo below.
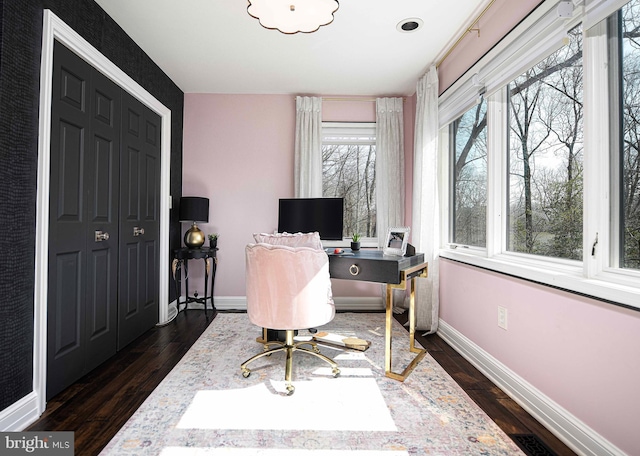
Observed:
{"x":293,"y":16}
{"x":409,"y":25}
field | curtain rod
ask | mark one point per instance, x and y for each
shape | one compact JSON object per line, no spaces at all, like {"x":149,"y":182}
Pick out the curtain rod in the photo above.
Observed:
{"x":368,"y":100}
{"x":469,"y":29}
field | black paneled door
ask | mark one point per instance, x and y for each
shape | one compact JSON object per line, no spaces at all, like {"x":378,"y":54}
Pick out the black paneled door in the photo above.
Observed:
{"x":89,"y":278}
{"x":139,"y":220}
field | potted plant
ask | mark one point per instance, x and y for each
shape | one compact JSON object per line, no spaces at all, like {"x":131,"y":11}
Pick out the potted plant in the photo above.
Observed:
{"x":355,"y":242}
{"x":213,"y":240}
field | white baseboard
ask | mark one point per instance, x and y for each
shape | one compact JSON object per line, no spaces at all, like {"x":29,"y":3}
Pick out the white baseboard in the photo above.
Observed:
{"x":358,"y":304}
{"x":573,"y":432}
{"x":230,"y":303}
{"x":20,"y":414}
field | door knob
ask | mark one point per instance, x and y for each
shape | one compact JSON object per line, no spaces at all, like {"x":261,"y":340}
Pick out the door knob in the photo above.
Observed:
{"x":138,"y":231}
{"x":100,"y":236}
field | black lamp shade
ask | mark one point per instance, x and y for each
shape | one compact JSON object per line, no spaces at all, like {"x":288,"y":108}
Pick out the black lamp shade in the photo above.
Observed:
{"x":194,"y":209}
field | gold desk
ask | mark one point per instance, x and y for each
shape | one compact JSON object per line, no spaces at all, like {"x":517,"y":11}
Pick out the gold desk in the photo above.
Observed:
{"x":395,"y":272}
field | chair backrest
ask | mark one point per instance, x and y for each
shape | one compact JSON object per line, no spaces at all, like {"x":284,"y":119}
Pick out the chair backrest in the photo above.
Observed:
{"x":290,"y":239}
{"x":288,"y":287}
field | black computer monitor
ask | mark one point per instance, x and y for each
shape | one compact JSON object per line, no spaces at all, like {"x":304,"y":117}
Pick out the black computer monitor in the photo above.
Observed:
{"x":305,"y":215}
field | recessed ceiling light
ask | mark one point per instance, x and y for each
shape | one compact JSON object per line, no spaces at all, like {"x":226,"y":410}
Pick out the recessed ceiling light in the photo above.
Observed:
{"x":409,"y":25}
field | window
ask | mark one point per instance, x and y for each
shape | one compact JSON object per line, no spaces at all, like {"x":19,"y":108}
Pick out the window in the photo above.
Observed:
{"x":468,"y":140}
{"x":625,"y":108}
{"x":545,"y":155}
{"x":348,"y":171}
{"x":551,"y":155}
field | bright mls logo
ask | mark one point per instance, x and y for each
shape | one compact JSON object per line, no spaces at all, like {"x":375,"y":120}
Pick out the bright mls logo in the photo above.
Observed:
{"x":36,"y":443}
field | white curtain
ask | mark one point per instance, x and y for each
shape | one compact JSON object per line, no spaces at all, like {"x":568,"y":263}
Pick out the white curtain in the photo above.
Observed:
{"x":308,"y":148}
{"x":389,"y":173}
{"x":389,"y":165}
{"x":426,"y":211}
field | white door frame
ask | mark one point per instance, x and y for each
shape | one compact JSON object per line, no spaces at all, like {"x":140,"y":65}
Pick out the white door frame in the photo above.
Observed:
{"x":54,"y":28}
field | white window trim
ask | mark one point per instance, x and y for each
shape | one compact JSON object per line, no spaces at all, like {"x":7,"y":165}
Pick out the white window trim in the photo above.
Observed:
{"x":596,"y":138}
{"x":593,"y":276}
{"x":497,"y":170}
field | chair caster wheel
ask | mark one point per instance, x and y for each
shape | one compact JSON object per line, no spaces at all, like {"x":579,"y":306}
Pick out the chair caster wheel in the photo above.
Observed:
{"x":290,"y":390}
{"x":336,"y":372}
{"x":246,"y":373}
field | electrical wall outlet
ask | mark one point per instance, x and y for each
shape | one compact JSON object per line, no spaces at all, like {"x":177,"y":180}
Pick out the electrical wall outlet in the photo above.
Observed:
{"x":502,"y":317}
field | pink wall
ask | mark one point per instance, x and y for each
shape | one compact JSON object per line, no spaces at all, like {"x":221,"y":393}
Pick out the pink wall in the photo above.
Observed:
{"x":238,"y":152}
{"x":501,"y":18}
{"x":353,"y":109}
{"x":582,"y":353}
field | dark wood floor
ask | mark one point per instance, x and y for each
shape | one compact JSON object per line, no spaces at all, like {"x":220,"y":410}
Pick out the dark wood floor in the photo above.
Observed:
{"x":100,"y":403}
{"x":509,"y":416}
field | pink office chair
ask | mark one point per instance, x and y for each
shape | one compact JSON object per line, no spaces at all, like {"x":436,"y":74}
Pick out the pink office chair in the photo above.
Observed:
{"x":288,"y":288}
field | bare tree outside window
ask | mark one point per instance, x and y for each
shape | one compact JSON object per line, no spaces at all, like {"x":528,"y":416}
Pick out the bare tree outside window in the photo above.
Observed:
{"x":469,"y":144}
{"x":629,"y":44}
{"x":348,"y":167}
{"x":545,"y":158}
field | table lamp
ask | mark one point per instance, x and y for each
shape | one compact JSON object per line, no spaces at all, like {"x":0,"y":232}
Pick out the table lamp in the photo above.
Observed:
{"x":194,"y":209}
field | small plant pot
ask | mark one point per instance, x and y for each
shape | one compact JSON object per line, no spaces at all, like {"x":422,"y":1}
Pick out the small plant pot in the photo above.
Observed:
{"x":355,"y":246}
{"x":213,"y":244}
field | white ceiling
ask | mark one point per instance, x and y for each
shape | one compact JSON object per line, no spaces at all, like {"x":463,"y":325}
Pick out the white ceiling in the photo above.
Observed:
{"x":214,"y":46}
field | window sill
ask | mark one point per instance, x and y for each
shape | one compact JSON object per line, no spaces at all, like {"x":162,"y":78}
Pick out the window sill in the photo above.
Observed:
{"x":564,"y":275}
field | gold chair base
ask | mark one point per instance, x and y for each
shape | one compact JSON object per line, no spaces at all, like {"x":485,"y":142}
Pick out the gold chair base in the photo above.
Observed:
{"x":288,"y":346}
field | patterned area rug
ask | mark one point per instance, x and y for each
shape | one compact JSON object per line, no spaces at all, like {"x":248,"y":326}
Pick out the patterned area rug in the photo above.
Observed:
{"x":206,"y":407}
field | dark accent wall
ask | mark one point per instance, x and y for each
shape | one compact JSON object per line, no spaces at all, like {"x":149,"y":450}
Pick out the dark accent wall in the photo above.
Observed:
{"x":20,"y":49}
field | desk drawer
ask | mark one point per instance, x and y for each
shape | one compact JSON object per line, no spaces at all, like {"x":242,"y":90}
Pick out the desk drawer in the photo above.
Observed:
{"x":367,"y":270}
{"x":371,"y":266}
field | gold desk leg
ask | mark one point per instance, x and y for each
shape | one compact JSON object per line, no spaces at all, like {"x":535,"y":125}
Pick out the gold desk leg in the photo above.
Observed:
{"x":420,"y":352}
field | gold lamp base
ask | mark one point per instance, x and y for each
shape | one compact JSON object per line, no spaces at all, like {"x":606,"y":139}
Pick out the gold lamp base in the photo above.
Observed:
{"x":194,"y":237}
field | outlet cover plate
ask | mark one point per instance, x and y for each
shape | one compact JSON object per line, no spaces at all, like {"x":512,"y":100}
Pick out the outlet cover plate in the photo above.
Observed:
{"x":502,"y":317}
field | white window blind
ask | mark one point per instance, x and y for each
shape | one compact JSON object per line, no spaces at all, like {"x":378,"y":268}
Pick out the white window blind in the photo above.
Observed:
{"x":543,"y":32}
{"x":597,"y":10}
